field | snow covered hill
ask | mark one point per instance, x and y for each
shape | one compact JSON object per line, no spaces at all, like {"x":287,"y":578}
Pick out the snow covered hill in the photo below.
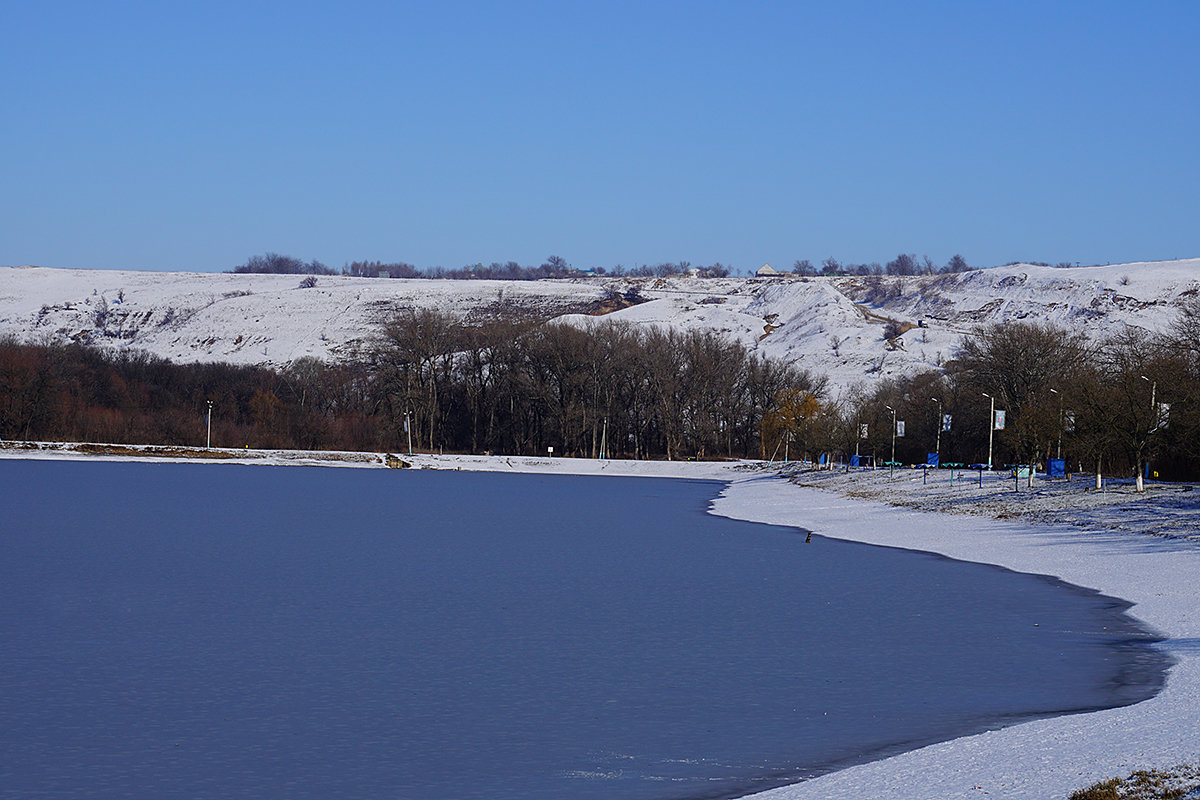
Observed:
{"x":247,"y":319}
{"x":833,"y":326}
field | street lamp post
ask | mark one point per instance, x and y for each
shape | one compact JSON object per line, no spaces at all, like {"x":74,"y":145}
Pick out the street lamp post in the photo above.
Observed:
{"x":892,"y":463}
{"x":938,"y":447}
{"x":1058,"y":453}
{"x":991,"y":427}
{"x":208,"y":441}
{"x":1153,"y":427}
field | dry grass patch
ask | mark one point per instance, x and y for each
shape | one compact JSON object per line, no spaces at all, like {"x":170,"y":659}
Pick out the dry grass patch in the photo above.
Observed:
{"x":151,"y":451}
{"x":1145,"y":784}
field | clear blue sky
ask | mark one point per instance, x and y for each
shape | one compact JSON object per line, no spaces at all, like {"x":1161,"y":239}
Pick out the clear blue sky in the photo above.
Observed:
{"x":192,"y":135}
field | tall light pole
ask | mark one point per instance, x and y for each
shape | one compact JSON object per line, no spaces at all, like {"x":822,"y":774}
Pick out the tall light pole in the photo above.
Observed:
{"x":991,"y":427}
{"x":208,"y":441}
{"x":1058,"y":455}
{"x":1153,"y":428}
{"x":892,"y":463}
{"x":938,"y":447}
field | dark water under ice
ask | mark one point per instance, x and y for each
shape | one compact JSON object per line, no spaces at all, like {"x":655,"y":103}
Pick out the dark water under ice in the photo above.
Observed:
{"x":183,"y":631}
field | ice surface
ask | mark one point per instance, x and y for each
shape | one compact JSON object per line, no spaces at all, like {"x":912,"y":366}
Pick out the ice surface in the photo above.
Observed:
{"x":1044,"y":758}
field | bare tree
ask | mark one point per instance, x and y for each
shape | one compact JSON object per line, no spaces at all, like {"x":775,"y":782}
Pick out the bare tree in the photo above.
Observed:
{"x":903,"y":264}
{"x":1132,"y":366}
{"x":956,"y":264}
{"x":276,"y":264}
{"x":1018,"y":363}
{"x":413,"y":359}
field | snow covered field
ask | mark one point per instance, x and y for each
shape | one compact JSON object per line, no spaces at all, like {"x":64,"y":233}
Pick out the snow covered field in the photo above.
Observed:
{"x":1157,"y":574}
{"x":1164,"y":510}
{"x":832,"y":326}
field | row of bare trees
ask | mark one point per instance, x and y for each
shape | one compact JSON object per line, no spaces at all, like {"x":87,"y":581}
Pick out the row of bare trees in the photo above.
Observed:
{"x":1112,"y":405}
{"x":552,"y":267}
{"x":78,"y":393}
{"x":608,"y":389}
{"x":557,"y":267}
{"x":903,"y":264}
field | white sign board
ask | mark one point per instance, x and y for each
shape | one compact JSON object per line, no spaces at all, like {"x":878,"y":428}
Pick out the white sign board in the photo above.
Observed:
{"x":1163,"y":414}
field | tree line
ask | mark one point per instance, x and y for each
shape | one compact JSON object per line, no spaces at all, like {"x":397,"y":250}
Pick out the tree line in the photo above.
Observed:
{"x":79,"y":393}
{"x":557,"y":267}
{"x":1111,"y":406}
{"x":902,"y":264}
{"x":610,"y":389}
{"x":1126,"y":405}
{"x":552,"y":267}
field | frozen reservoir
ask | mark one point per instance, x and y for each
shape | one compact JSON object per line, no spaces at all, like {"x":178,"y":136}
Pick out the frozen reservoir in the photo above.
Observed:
{"x":182,"y":631}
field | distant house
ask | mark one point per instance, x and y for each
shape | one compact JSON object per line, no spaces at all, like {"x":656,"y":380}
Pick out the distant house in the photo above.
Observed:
{"x":767,"y":271}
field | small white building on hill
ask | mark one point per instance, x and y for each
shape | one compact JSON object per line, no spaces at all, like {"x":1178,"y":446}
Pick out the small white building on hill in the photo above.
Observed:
{"x":767,"y":271}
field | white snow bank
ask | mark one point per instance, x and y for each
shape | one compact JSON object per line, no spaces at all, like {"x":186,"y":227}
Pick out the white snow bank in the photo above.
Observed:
{"x":1039,"y":759}
{"x":702,"y":470}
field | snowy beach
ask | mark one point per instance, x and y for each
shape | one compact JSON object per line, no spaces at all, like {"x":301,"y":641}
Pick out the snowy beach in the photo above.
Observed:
{"x":1044,"y":758}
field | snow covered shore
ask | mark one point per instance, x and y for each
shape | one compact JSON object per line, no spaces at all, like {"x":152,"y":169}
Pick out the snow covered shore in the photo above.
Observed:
{"x":1044,"y":758}
{"x":1049,"y":758}
{"x":706,"y":470}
